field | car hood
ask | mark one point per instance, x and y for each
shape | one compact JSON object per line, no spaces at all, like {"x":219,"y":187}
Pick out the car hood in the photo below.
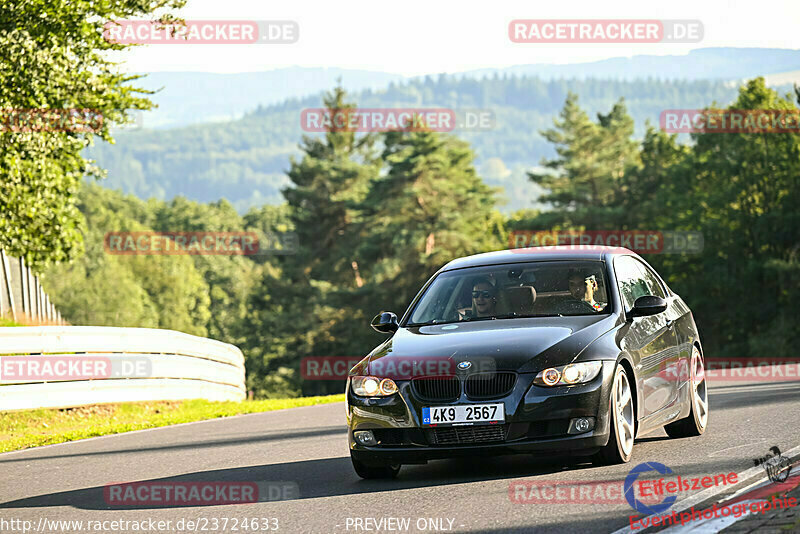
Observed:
{"x":521,"y":344}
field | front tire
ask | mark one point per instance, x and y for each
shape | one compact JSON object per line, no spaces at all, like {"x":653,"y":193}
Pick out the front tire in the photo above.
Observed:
{"x":623,"y":422}
{"x":386,"y":471}
{"x":697,"y":421}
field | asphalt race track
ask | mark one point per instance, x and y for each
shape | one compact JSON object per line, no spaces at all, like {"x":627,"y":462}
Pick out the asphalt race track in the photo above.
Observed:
{"x":307,"y":447}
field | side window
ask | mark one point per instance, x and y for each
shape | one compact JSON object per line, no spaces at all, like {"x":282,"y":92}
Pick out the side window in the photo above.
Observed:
{"x":628,"y":280}
{"x":653,"y":285}
{"x":635,"y":280}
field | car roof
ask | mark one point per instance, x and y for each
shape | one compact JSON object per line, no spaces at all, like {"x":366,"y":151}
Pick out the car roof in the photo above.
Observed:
{"x":520,"y":255}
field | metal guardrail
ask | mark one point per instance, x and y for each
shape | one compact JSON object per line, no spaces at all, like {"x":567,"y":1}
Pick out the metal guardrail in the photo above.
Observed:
{"x":21,"y":294}
{"x":37,"y":366}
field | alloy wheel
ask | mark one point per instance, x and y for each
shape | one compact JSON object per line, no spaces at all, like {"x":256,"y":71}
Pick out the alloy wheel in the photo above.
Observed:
{"x":623,"y":411}
{"x":699,"y":389}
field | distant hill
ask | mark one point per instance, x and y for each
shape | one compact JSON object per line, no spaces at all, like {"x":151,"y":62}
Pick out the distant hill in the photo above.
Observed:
{"x":245,"y":160}
{"x":783,"y":78}
{"x":198,"y":97}
{"x":700,"y":64}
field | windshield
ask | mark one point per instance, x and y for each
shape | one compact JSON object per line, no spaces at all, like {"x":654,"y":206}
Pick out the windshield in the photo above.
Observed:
{"x":535,"y":289}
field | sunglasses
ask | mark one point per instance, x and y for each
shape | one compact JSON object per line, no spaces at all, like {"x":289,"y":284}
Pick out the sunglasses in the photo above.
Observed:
{"x":485,"y":294}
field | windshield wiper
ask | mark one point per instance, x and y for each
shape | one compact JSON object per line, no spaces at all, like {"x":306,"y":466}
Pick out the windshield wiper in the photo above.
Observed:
{"x":514,"y":315}
{"x":431,"y":323}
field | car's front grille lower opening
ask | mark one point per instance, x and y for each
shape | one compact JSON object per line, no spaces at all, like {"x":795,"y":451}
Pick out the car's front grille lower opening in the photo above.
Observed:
{"x":489,"y":385}
{"x":465,"y":435}
{"x":390,"y":436}
{"x":437,"y":388}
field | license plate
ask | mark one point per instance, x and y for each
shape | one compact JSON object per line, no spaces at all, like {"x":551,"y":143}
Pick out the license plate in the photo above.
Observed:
{"x":465,"y":414}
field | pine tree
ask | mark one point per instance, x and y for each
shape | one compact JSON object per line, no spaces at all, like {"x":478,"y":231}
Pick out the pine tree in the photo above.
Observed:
{"x":593,"y":159}
{"x":296,"y":308}
{"x":430,"y":207}
{"x":330,"y":181}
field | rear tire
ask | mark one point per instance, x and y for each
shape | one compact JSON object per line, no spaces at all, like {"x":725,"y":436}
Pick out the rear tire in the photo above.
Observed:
{"x":697,"y":421}
{"x":622,"y":422}
{"x":369,"y":472}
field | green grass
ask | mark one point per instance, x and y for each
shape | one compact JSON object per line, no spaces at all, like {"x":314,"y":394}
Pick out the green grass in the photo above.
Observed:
{"x":8,"y":322}
{"x":32,"y":428}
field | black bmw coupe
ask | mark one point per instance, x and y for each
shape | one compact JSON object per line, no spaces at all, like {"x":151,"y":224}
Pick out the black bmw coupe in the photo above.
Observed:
{"x":555,"y":349}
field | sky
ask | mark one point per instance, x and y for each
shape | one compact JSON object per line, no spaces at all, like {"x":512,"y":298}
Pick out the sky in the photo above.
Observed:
{"x":416,"y":37}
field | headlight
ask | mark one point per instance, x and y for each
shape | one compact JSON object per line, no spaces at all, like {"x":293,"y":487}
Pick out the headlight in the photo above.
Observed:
{"x":567,"y":375}
{"x":372,"y":386}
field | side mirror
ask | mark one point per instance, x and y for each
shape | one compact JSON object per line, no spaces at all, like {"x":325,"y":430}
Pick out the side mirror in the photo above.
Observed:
{"x":385,"y":323}
{"x":647,"y":305}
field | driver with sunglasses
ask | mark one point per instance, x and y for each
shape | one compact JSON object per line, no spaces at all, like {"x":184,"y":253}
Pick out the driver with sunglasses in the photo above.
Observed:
{"x":484,"y":299}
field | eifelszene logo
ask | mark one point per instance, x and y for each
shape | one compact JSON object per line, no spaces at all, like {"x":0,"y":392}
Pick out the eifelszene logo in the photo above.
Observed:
{"x":635,"y":503}
{"x":775,"y":464}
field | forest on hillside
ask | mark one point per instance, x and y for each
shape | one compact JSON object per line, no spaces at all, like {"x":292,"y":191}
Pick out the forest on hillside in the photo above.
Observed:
{"x":245,"y":161}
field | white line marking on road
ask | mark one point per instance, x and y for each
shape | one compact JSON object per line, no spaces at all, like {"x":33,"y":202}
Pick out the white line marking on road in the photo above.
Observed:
{"x":689,"y":502}
{"x":748,"y":388}
{"x":715,"y":453}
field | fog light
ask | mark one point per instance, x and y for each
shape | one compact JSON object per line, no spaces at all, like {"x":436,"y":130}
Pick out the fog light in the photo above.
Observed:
{"x":581,"y":425}
{"x":365,"y":437}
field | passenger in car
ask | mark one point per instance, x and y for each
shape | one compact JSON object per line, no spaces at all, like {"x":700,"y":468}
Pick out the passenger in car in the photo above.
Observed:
{"x":582,"y":288}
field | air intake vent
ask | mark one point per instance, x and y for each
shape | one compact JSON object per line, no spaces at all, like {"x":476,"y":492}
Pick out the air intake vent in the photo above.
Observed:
{"x":464,"y":435}
{"x":437,"y":388}
{"x":489,"y":385}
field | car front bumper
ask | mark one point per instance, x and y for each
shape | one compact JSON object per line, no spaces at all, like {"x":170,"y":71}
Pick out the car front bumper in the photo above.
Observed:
{"x":537,"y":419}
